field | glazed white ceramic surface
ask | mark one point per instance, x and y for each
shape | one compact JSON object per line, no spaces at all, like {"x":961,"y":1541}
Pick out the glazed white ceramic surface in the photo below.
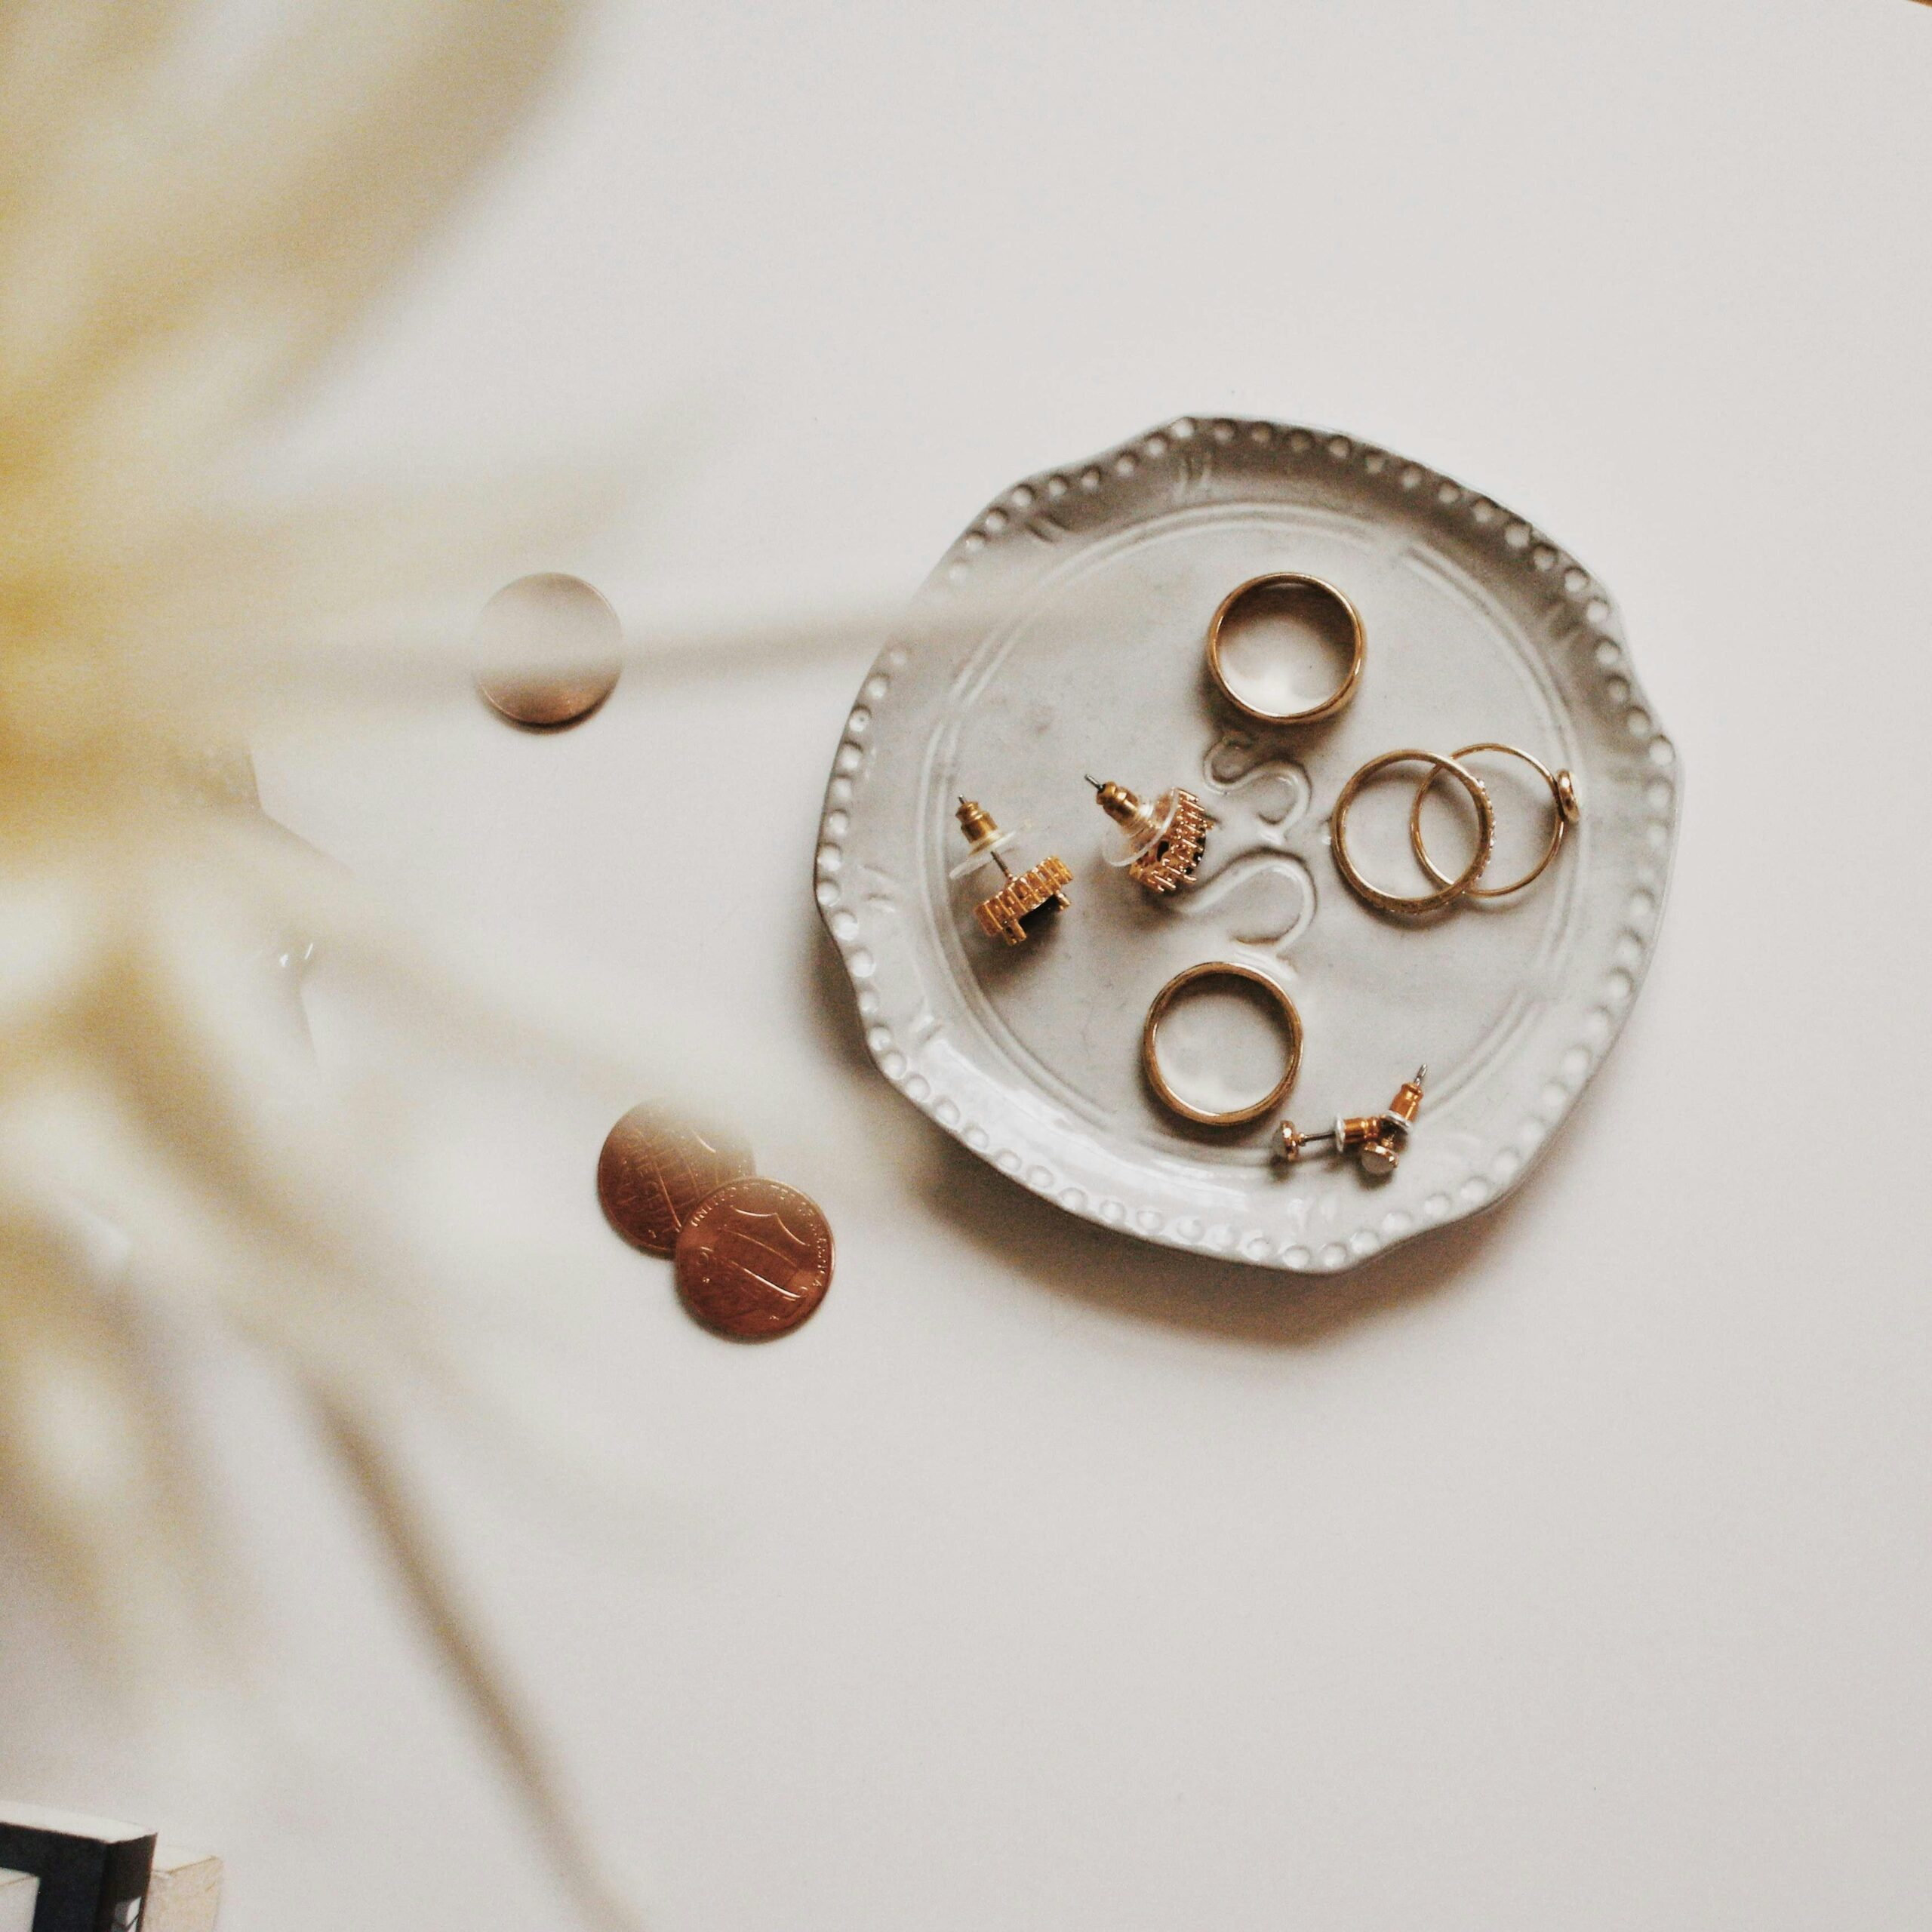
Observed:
{"x":1062,"y":635}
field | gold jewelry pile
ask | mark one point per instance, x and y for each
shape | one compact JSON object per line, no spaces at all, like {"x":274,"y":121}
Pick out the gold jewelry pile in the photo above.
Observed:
{"x":1160,"y":844}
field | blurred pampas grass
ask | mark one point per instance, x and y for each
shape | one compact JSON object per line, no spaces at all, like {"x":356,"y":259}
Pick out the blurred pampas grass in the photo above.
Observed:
{"x":177,"y":254}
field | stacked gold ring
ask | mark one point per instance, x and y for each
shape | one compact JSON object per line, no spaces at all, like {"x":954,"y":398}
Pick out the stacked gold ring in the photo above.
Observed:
{"x":1562,"y":789}
{"x":1448,"y":890}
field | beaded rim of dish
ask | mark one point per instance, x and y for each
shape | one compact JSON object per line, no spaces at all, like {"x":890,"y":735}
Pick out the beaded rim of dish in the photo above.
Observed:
{"x":1019,"y":512}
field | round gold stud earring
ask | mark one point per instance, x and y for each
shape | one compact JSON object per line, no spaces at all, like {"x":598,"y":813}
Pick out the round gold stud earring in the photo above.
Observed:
{"x":1326,"y":603}
{"x":1419,"y":905}
{"x":1562,"y":792}
{"x":1377,"y":1140}
{"x":1150,"y":1043}
{"x":1157,"y":842}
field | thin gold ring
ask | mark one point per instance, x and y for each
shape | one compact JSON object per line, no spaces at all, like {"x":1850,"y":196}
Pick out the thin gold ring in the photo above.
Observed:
{"x":1291,"y":580}
{"x":1150,"y":1055}
{"x":1449,"y":890}
{"x":1562,"y":790}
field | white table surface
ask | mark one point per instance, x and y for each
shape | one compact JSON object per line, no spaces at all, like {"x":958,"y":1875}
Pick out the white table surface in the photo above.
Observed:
{"x":1568,"y":1571}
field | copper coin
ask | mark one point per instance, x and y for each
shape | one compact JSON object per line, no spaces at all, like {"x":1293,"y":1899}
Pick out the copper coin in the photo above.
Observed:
{"x":548,"y":648}
{"x":654,"y":1170}
{"x":754,"y":1261}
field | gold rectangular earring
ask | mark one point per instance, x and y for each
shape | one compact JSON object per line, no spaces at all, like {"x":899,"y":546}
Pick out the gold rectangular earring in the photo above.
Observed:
{"x":1010,"y":915}
{"x":1157,"y":842}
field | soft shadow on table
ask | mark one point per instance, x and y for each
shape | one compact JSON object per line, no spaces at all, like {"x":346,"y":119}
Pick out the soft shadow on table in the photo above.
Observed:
{"x":1086,"y":1262}
{"x":1090,"y":1263}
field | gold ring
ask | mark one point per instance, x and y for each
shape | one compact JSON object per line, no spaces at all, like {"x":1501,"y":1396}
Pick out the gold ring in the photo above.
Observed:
{"x":1562,"y":789}
{"x":1450,"y":890}
{"x":1324,"y":592}
{"x":1150,"y":1057}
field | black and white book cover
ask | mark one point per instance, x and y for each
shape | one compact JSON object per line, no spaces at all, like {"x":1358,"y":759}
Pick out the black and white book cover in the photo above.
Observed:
{"x":93,"y":1872}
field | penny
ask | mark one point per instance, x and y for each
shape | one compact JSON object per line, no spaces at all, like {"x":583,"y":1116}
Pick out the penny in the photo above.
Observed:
{"x":754,"y":1260}
{"x":654,"y":1170}
{"x":548,"y":648}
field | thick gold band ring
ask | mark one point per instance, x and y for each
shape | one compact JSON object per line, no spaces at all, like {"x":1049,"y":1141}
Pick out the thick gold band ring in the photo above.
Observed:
{"x":1450,"y":890}
{"x":1150,"y":1055}
{"x":1562,"y":789}
{"x":1322,"y":592}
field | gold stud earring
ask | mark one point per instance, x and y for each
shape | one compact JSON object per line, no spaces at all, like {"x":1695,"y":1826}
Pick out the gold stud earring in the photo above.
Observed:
{"x":1375,"y":1140}
{"x":1158,"y":842}
{"x":1010,"y":914}
{"x":1562,"y":792}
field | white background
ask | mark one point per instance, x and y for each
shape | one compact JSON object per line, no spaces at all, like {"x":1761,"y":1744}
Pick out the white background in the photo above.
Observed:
{"x":1570,"y":1570}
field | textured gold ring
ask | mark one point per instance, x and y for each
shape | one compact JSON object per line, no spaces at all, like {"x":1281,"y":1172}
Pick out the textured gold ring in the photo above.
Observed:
{"x":1562,"y":790}
{"x":1450,"y":890}
{"x":1322,"y":592}
{"x":1150,"y":1053}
